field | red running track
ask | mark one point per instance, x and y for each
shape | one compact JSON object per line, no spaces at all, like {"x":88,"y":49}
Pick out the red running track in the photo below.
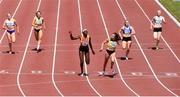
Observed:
{"x":53,"y":72}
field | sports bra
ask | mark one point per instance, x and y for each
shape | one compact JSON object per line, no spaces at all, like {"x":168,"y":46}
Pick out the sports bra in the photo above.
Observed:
{"x":127,"y":30}
{"x":10,"y":23}
{"x":85,"y":41}
{"x":158,"y":20}
{"x":111,"y":45}
{"x":38,"y":21}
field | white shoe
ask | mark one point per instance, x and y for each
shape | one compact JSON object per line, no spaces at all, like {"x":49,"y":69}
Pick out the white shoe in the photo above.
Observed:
{"x":114,"y":72}
{"x":101,"y":73}
{"x":126,"y":58}
{"x":81,"y":74}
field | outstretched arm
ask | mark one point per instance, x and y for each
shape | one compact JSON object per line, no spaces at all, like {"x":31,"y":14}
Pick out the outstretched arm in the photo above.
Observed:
{"x":73,"y":37}
{"x":4,"y":25}
{"x":133,"y":31}
{"x":90,"y":44}
{"x":16,"y":25}
{"x":33,"y":22}
{"x":152,"y":23}
{"x":102,"y":45}
{"x":44,"y":24}
{"x":120,"y":33}
{"x":164,"y":20}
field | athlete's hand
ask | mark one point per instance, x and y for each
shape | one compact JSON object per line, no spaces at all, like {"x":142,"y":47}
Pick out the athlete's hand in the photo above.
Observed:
{"x":18,"y":33}
{"x":151,"y":27}
{"x":70,"y":32}
{"x":93,"y":52}
{"x":44,"y":29}
{"x":101,"y":49}
{"x":4,"y":28}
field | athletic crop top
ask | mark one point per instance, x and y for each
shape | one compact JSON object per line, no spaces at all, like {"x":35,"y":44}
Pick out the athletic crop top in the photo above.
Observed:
{"x":10,"y":23}
{"x":126,"y":30}
{"x":38,"y":21}
{"x":158,"y":21}
{"x":111,"y":45}
{"x":85,"y":41}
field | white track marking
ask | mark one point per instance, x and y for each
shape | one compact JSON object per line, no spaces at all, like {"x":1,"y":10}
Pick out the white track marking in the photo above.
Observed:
{"x":55,"y":48}
{"x":146,"y":56}
{"x":161,"y":35}
{"x":12,"y":16}
{"x":24,"y":55}
{"x":168,"y":13}
{"x":81,"y":28}
{"x":117,"y":65}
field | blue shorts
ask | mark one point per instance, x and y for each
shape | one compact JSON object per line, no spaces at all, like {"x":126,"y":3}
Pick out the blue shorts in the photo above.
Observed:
{"x":11,"y":31}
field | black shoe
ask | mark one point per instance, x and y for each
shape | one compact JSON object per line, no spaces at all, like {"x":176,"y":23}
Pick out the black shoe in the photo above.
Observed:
{"x":34,"y":49}
{"x":39,"y":50}
{"x":81,"y":74}
{"x":101,"y":73}
{"x":126,"y":58}
{"x":157,"y":48}
{"x":10,"y":52}
{"x":85,"y":74}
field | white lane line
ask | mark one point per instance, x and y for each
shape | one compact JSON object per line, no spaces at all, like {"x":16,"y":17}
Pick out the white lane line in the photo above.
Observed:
{"x":168,"y":13}
{"x":13,"y":17}
{"x":55,"y":48}
{"x":81,"y":28}
{"x":145,"y":55}
{"x":117,"y":65}
{"x":24,"y":55}
{"x":161,"y":35}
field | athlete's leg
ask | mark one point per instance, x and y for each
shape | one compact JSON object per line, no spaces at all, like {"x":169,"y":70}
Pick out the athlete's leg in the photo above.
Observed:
{"x":39,"y":38}
{"x":128,"y":48}
{"x":106,"y":58}
{"x":81,"y":57}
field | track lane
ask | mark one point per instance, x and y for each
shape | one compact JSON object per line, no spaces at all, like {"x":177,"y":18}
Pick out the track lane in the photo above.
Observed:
{"x":95,"y":26}
{"x":114,"y":21}
{"x":69,"y":83}
{"x":172,"y":64}
{"x":171,"y":30}
{"x":38,"y":83}
{"x":9,"y":80}
{"x":7,"y":6}
{"x":157,"y":65}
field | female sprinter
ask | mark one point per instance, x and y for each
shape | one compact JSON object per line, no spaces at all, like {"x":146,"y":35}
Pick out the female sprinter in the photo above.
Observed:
{"x":126,"y":33}
{"x":38,"y":25}
{"x":85,"y":43}
{"x":10,"y":26}
{"x":110,"y":51}
{"x":156,"y":25}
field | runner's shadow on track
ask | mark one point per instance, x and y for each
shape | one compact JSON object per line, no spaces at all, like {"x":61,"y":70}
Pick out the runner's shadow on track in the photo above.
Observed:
{"x":38,"y":51}
{"x":109,"y":75}
{"x":154,"y":48}
{"x":123,"y":58}
{"x":7,"y":52}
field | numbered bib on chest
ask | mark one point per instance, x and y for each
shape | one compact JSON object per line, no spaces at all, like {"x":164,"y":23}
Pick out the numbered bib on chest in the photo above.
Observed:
{"x":127,"y":30}
{"x":10,"y":23}
{"x":85,"y":41}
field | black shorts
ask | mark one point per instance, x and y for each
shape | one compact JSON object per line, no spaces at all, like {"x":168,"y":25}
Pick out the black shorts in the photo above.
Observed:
{"x":127,"y":39}
{"x":84,"y":48}
{"x":37,"y":30}
{"x":11,"y":31}
{"x":157,"y":30}
{"x":109,"y":52}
